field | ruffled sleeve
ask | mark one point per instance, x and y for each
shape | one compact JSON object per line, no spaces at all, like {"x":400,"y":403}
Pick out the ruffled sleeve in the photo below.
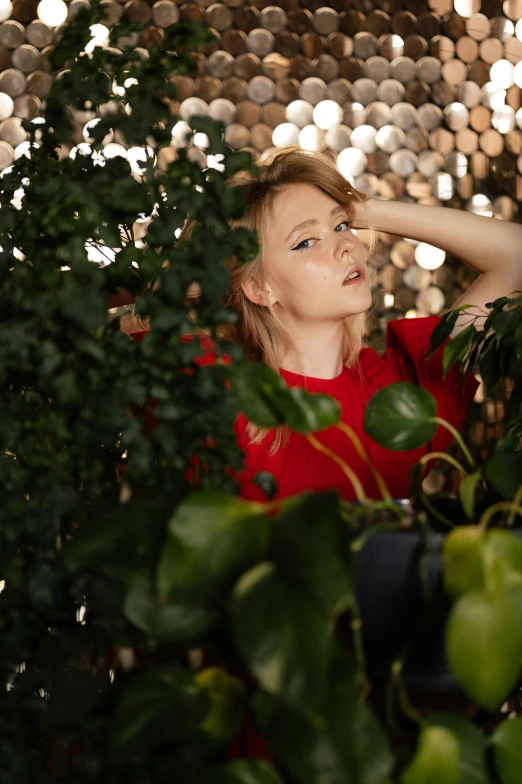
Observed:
{"x":407,"y":343}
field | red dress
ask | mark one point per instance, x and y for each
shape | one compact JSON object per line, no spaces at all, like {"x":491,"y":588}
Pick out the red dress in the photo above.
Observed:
{"x":299,"y":466}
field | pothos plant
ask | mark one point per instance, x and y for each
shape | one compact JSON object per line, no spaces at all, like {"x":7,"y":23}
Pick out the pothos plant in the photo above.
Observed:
{"x":146,"y":610}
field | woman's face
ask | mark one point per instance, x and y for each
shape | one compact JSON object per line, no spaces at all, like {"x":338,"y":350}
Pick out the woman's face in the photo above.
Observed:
{"x":309,"y":250}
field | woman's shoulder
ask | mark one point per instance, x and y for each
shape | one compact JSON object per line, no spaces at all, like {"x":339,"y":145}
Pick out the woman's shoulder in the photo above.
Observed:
{"x":407,"y":343}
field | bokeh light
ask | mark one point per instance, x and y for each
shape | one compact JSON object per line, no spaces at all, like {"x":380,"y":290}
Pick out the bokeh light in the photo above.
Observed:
{"x":52,"y":12}
{"x":429,"y":257}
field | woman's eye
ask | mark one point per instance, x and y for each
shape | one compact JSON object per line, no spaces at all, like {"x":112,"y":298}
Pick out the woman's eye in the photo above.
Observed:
{"x":343,"y":223}
{"x":302,"y":245}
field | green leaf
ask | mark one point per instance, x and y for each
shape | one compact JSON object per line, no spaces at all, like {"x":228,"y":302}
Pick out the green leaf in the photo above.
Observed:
{"x":436,"y":760}
{"x":266,"y":482}
{"x":467,"y":491}
{"x":472,"y":765}
{"x":227,"y":697}
{"x":305,"y":412}
{"x":462,"y":560}
{"x":282,"y":638}
{"x":489,"y":365}
{"x":212,"y":539}
{"x":307,"y":547}
{"x":400,"y":416}
{"x":268,"y":402}
{"x":497,"y":304}
{"x":503,"y":566}
{"x":251,"y":771}
{"x":255,"y":385}
{"x":158,"y":706}
{"x":346,"y":745}
{"x":457,"y":347}
{"x":484,"y":647}
{"x":507,"y":444}
{"x":443,"y":330}
{"x":504,"y":471}
{"x":507,"y":747}
{"x":175,"y":622}
{"x":503,"y":549}
{"x":503,"y":323}
{"x":518,"y":342}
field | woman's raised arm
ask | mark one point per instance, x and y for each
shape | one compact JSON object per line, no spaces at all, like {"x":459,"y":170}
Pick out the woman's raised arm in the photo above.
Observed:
{"x":491,"y":247}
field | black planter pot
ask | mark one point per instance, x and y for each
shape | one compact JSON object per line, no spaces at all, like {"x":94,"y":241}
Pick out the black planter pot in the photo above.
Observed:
{"x":402,"y":612}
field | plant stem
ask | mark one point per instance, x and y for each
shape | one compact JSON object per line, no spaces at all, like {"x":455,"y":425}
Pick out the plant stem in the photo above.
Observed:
{"x":356,"y":483}
{"x":458,"y":438}
{"x":424,"y":559}
{"x":358,"y":544}
{"x":360,"y":660}
{"x":516,"y":502}
{"x":406,"y":707}
{"x":444,"y":456}
{"x":431,"y":509}
{"x":354,"y":438}
{"x":488,"y":514}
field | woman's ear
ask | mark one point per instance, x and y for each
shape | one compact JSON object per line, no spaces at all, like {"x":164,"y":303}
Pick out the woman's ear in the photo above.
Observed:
{"x":255,"y":292}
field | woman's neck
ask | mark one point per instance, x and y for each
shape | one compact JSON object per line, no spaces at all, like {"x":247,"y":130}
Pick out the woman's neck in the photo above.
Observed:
{"x":317,"y":351}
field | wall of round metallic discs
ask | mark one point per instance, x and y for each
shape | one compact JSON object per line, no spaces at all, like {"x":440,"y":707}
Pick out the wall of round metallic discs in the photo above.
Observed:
{"x":414,"y":99}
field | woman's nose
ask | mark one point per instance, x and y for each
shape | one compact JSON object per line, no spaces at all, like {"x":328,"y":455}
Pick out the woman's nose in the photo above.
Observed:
{"x":344,"y":248}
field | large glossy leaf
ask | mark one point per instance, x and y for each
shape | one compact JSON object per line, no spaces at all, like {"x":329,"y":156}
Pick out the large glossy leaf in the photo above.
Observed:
{"x":305,"y":412}
{"x":251,"y":771}
{"x":504,"y":471}
{"x":212,"y":539}
{"x":472,"y":765}
{"x":174,"y":621}
{"x":282,"y":638}
{"x":400,"y":416}
{"x":484,"y":647}
{"x":436,"y":760}
{"x":267,"y":401}
{"x":462,"y":560}
{"x":503,"y":566}
{"x":158,"y":706}
{"x":256,"y":386}
{"x":310,"y":552}
{"x":503,"y":549}
{"x":346,"y":746}
{"x":507,"y":745}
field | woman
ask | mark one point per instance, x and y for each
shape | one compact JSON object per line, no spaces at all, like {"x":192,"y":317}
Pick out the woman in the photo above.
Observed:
{"x":303,"y":302}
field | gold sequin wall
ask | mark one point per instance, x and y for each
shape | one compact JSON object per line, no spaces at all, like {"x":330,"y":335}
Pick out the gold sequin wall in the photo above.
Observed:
{"x":418,"y":100}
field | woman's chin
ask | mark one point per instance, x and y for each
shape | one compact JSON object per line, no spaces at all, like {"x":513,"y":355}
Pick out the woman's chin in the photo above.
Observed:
{"x":360,"y":301}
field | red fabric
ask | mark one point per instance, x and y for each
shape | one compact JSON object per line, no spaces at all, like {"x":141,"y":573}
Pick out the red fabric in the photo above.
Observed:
{"x":298,"y":466}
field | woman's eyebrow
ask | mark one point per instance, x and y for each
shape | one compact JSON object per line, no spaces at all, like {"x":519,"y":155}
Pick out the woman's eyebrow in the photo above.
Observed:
{"x":313,"y":221}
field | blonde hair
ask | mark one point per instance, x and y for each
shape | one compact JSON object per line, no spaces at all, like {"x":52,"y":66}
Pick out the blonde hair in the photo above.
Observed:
{"x":260,"y":333}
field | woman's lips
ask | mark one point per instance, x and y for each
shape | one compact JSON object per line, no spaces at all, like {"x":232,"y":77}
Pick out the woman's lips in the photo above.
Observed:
{"x":361,"y":277}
